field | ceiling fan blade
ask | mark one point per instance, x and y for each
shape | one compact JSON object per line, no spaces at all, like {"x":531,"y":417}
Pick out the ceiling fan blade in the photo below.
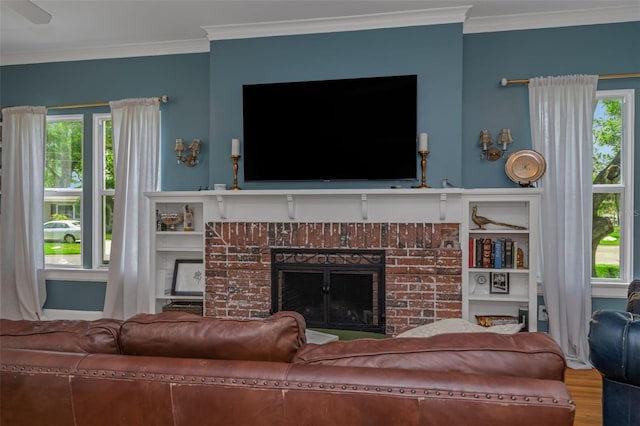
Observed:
{"x":30,"y":10}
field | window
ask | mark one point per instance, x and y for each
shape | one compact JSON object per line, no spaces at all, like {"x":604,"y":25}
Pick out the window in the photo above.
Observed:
{"x":612,"y":232}
{"x":104,"y":185}
{"x":66,"y":197}
{"x":63,"y":186}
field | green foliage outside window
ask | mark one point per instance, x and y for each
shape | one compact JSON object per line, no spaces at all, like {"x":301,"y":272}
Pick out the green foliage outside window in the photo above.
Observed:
{"x":63,"y":151}
{"x":109,"y":176}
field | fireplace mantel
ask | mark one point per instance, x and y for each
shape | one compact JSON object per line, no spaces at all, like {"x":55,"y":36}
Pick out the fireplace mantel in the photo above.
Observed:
{"x":335,"y":205}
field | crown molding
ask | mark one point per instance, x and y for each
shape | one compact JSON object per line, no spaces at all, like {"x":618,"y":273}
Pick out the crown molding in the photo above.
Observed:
{"x":336,"y":24}
{"x":107,"y":52}
{"x":567,"y":18}
{"x":409,"y":18}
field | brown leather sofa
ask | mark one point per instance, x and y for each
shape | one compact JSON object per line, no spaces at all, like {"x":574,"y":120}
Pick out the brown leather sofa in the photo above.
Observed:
{"x":181,"y":369}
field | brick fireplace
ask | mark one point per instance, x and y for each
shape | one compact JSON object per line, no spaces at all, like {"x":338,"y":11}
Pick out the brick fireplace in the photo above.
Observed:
{"x":423,"y":260}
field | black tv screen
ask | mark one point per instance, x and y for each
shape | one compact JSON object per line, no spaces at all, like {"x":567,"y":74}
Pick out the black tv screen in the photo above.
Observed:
{"x":349,"y":129}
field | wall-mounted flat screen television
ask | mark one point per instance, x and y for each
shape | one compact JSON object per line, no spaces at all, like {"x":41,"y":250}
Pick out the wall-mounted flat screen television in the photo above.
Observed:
{"x":331,"y":130}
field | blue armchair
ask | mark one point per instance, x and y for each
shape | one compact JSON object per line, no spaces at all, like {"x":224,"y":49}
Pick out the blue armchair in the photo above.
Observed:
{"x":614,"y":342}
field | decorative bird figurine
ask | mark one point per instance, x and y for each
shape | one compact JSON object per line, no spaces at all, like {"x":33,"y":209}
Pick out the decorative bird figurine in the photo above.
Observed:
{"x":481,"y":221}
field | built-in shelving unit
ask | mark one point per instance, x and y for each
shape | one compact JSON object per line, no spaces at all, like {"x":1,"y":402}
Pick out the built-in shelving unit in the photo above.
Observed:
{"x":499,"y":275}
{"x":171,"y":245}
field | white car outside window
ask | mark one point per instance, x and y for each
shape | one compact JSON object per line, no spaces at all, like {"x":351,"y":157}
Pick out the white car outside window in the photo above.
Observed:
{"x":67,"y":231}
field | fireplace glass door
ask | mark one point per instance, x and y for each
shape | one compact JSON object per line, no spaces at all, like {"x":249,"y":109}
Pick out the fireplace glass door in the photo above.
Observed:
{"x":331,"y":293}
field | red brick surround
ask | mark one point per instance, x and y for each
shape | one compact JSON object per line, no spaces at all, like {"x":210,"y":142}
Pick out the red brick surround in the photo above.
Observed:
{"x":423,"y":265}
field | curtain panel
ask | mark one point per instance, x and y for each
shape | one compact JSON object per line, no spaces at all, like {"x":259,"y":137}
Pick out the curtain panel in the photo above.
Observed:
{"x":136,"y":144}
{"x":561,"y":114}
{"x":22,"y":238}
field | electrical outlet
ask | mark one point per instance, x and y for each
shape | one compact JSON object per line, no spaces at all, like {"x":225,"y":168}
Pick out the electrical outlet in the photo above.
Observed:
{"x":542,"y":313}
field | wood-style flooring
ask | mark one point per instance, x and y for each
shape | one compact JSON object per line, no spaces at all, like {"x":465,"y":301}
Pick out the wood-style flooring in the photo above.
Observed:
{"x":586,"y":390}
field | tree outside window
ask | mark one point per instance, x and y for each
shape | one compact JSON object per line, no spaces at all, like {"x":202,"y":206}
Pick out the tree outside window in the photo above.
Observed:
{"x":610,"y":244}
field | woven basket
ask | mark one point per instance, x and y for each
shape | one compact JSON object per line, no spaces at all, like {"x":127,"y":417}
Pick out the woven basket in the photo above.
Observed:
{"x":190,"y":307}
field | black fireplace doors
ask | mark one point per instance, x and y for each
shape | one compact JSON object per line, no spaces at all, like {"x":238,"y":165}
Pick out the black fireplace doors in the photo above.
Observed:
{"x":336,"y":289}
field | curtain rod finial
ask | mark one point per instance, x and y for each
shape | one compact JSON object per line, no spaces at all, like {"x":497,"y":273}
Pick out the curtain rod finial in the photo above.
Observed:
{"x":503,"y":82}
{"x":164,"y":99}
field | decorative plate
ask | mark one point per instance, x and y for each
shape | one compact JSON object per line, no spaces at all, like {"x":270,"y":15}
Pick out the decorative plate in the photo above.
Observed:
{"x":525,"y":166}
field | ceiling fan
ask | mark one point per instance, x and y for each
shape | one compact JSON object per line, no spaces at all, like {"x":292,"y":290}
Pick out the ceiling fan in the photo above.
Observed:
{"x":30,"y":11}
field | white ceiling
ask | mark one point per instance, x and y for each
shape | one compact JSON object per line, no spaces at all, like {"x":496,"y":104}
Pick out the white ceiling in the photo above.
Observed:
{"x":91,"y":29}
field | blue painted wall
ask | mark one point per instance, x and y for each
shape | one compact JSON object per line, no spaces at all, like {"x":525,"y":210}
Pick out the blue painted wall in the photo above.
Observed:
{"x":184,"y":78}
{"x":70,"y":295}
{"x":434,"y":53}
{"x":590,"y":49}
{"x":458,"y":77}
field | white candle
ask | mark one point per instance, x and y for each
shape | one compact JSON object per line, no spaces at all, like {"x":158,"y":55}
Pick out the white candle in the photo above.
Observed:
{"x":424,"y":142}
{"x":235,"y":146}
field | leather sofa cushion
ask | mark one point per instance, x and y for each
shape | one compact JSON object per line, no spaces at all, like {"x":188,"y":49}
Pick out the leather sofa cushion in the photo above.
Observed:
{"x":179,"y":334}
{"x":99,"y":336}
{"x":533,"y":355}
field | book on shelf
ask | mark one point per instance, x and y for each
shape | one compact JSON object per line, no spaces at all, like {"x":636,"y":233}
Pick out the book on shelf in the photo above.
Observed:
{"x":472,"y":252}
{"x":498,"y":253}
{"x":523,"y":317}
{"x":508,"y":253}
{"x":487,"y":249}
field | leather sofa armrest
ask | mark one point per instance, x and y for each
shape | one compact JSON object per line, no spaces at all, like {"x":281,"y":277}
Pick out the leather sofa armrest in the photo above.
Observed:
{"x":614,"y":342}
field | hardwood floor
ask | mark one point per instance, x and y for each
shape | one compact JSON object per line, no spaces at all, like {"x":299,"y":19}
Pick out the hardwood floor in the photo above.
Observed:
{"x":586,"y":391}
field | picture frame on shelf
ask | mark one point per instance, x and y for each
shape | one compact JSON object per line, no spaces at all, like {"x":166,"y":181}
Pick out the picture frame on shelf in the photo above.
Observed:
{"x":499,"y":283}
{"x":188,"y":278}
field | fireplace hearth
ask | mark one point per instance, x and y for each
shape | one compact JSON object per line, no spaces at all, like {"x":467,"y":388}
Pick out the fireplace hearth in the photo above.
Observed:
{"x":336,"y":289}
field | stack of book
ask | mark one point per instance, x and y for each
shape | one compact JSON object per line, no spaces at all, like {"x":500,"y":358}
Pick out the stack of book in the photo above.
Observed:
{"x":493,"y":253}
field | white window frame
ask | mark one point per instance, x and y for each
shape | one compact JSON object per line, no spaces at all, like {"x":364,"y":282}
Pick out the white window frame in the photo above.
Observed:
{"x":98,"y":189}
{"x":617,"y":287}
{"x":68,"y":192}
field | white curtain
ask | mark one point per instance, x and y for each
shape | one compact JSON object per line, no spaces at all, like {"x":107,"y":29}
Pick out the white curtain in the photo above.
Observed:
{"x":22,"y":254}
{"x":136,"y":144}
{"x":561,"y":113}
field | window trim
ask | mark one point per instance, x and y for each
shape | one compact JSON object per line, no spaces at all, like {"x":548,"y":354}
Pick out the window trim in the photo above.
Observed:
{"x":617,"y":287}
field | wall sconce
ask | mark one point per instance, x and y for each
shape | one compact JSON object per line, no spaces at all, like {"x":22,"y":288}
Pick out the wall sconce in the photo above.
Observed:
{"x":493,"y":153}
{"x":191,"y":159}
{"x":504,"y":139}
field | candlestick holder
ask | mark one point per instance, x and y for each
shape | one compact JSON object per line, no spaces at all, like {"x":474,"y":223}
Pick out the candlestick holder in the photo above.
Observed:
{"x":423,"y":164}
{"x":235,"y":159}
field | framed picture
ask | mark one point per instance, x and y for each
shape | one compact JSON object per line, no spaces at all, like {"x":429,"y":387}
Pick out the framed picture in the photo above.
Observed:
{"x":188,"y":278}
{"x":499,"y":283}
